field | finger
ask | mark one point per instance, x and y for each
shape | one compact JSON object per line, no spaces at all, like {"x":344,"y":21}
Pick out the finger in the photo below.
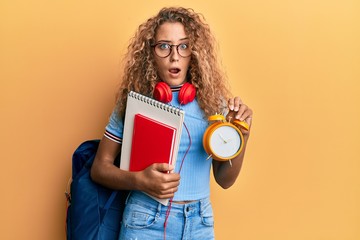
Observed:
{"x":161,"y":194}
{"x":173,"y":178}
{"x":241,"y":111}
{"x":248,"y":120}
{"x":163,"y":167}
{"x":166,"y":177}
{"x":231,"y":104}
{"x":166,"y":192}
{"x":237,"y":103}
{"x":230,"y":116}
{"x":247,"y":112}
{"x":170,"y":191}
{"x":164,"y":196}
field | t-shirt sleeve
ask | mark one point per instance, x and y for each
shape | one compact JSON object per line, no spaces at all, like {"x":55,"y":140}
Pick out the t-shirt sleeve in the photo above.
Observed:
{"x":115,"y":127}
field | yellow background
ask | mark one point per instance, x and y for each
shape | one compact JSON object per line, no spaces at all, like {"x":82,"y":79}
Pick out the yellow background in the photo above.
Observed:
{"x":296,"y":63}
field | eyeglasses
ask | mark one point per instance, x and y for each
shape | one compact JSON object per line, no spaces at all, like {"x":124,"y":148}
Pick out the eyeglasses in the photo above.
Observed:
{"x":163,"y":50}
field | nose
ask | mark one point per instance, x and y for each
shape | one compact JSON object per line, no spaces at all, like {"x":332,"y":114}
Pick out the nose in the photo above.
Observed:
{"x":174,"y":55}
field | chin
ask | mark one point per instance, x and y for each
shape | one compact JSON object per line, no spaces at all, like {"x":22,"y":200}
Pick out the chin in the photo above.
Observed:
{"x":175,"y":82}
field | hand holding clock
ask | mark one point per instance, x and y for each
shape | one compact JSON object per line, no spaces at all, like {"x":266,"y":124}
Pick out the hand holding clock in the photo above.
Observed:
{"x":230,"y":147}
{"x":240,"y":111}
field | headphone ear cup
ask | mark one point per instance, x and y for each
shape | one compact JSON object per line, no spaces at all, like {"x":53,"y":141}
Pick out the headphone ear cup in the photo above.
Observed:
{"x":162,"y":92}
{"x":187,"y":93}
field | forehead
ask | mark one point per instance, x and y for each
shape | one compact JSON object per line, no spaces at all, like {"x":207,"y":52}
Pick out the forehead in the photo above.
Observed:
{"x":170,"y":31}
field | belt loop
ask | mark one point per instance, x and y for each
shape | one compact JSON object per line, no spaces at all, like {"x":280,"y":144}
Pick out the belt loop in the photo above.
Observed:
{"x":203,"y":203}
{"x":159,"y":209}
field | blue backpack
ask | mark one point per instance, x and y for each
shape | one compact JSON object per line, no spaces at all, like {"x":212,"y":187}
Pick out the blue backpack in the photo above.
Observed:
{"x":94,"y":212}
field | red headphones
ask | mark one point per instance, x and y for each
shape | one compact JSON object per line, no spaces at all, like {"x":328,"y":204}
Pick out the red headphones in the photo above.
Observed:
{"x":162,"y":93}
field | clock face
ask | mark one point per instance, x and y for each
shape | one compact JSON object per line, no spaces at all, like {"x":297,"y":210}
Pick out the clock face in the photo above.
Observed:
{"x":225,"y":141}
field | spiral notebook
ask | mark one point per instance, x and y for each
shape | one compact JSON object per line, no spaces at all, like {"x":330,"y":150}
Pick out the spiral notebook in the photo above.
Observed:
{"x":138,"y":104}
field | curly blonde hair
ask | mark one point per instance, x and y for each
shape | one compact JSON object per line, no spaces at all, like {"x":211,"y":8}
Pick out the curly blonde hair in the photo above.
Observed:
{"x":140,"y":72}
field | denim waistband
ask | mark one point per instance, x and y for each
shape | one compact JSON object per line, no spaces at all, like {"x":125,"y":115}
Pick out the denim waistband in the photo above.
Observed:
{"x":187,"y":209}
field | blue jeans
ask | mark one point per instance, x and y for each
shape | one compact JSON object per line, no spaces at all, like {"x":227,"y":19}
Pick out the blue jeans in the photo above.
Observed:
{"x":144,"y":218}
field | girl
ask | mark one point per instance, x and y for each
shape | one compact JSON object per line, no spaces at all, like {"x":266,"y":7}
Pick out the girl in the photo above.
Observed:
{"x":174,"y":47}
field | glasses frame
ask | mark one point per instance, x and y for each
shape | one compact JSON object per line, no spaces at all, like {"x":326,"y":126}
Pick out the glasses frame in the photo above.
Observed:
{"x":171,"y":48}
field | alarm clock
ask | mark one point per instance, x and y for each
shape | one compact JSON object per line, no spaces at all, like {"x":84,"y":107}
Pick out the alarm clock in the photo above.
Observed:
{"x":223,"y":140}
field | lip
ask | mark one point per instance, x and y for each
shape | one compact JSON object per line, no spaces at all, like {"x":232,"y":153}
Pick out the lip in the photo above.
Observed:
{"x":174,"y":72}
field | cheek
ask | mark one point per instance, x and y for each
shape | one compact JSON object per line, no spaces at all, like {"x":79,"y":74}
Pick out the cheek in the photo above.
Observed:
{"x":187,"y":64}
{"x":160,"y":69}
{"x":159,"y":64}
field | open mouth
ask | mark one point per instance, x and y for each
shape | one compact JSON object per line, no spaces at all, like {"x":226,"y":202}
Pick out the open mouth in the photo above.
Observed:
{"x":174,"y":70}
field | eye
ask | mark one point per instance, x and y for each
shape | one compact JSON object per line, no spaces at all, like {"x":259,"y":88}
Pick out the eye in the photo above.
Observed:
{"x":183,"y":46}
{"x":164,"y":46}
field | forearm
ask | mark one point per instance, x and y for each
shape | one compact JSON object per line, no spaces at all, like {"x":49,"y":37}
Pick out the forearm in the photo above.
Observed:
{"x":113,"y":177}
{"x":104,"y":172}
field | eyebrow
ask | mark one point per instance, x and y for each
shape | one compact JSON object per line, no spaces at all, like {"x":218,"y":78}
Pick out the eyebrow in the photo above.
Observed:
{"x":168,"y":41}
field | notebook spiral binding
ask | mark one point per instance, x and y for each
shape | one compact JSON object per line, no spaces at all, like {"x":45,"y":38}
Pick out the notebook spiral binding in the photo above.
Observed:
{"x":167,"y":107}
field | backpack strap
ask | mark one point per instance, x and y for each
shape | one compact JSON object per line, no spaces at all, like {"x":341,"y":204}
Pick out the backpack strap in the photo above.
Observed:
{"x":110,"y":200}
{"x":108,"y":205}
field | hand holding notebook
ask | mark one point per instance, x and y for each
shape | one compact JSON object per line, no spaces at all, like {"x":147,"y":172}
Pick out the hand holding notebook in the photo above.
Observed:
{"x":147,"y":145}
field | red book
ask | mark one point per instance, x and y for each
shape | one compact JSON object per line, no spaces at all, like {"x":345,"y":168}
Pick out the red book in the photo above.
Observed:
{"x":152,"y":142}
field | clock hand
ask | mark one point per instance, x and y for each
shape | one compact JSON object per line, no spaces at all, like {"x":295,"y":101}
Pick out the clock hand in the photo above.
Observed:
{"x":221,"y":136}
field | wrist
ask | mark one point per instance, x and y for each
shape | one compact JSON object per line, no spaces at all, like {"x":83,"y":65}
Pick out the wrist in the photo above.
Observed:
{"x":137,"y":181}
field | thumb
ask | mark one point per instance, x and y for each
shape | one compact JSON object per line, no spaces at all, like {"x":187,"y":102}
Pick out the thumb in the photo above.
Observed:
{"x":163,"y":167}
